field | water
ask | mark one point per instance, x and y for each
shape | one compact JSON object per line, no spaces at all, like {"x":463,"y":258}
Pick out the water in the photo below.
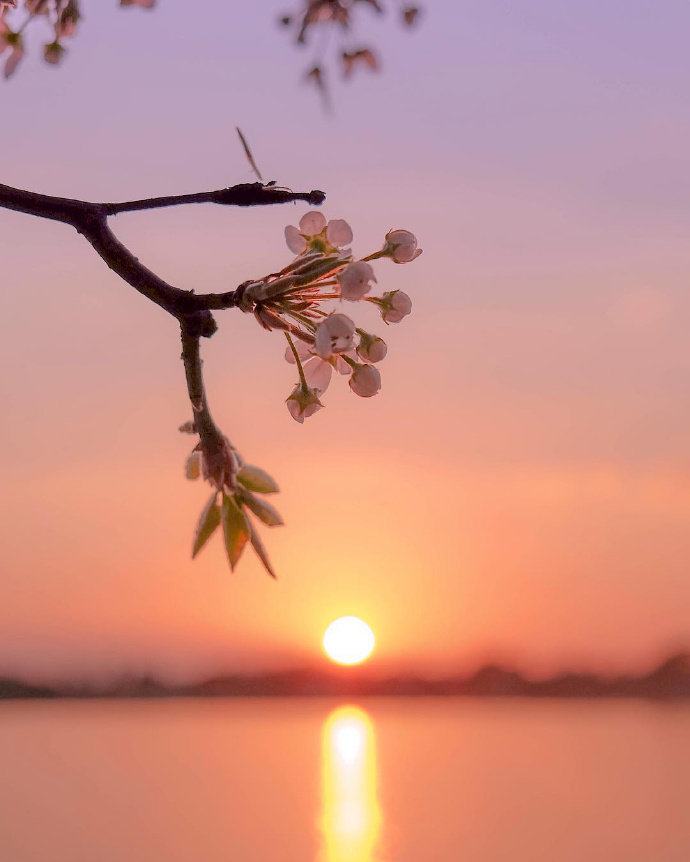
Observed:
{"x":387,"y":780}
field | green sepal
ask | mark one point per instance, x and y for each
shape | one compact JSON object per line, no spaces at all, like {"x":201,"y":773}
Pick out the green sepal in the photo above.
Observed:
{"x":264,"y":511}
{"x":261,"y":553}
{"x":235,"y":529}
{"x":255,"y":479}
{"x":208,"y":521}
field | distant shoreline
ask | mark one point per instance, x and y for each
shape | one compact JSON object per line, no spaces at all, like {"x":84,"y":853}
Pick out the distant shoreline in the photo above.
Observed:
{"x":669,"y":681}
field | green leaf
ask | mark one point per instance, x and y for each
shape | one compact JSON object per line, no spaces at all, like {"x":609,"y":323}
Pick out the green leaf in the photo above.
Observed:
{"x":258,"y":546}
{"x":235,"y":530}
{"x":255,"y":479}
{"x":264,"y":511}
{"x":208,"y":521}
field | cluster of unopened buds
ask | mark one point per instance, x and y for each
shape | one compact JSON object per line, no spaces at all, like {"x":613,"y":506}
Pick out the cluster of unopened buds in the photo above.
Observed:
{"x":320,"y":341}
{"x":63,"y":15}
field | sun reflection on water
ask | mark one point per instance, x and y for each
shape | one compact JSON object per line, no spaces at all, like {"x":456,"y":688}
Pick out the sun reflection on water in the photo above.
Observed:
{"x":351,"y":815}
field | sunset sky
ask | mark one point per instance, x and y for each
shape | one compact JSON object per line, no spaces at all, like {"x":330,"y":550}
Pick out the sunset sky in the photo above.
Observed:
{"x":520,"y":488}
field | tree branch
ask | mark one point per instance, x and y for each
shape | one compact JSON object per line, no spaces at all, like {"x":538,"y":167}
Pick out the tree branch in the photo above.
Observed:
{"x":90,"y":219}
{"x":182,"y":304}
{"x":242,"y":195}
{"x":212,"y":440}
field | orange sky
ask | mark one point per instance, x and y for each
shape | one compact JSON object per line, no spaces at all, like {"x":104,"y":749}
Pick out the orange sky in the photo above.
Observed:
{"x":519,"y":489}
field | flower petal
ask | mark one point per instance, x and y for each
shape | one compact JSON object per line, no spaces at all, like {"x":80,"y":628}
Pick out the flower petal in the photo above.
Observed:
{"x":294,"y":239}
{"x":13,"y":60}
{"x":339,"y":232}
{"x":341,"y":366}
{"x":303,"y":351}
{"x":318,"y":374}
{"x":312,"y":223}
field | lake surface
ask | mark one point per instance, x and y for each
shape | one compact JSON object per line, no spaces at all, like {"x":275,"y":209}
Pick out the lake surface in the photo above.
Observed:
{"x":382,"y":780}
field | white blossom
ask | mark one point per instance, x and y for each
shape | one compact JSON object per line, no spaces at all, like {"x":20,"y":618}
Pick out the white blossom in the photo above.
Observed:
{"x":401,"y":246}
{"x":355,"y":280}
{"x":365,"y":381}
{"x":335,"y":334}
{"x":314,"y":233}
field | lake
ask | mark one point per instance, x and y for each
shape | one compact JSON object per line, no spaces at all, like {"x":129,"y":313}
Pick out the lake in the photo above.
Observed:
{"x":315,"y":780}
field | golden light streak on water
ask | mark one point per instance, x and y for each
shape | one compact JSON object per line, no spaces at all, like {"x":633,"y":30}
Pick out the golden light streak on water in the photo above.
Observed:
{"x":351,"y":814}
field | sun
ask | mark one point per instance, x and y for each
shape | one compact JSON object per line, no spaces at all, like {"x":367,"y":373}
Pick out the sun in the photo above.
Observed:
{"x":348,"y":640}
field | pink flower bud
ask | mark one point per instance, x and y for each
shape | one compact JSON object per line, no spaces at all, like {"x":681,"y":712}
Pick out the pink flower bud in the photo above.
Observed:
{"x":401,"y":246}
{"x":365,"y":381}
{"x":355,"y":280}
{"x":53,"y":53}
{"x":371,"y":348}
{"x":394,"y":306}
{"x":303,"y":403}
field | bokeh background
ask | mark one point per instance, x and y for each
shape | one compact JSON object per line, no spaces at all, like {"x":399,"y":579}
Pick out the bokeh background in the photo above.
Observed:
{"x":520,"y":489}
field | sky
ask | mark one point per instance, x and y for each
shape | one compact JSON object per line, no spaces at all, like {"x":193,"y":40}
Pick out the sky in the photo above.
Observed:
{"x":520,"y":488}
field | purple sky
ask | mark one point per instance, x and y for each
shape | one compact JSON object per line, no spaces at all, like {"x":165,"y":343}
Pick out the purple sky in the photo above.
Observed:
{"x":520,"y":487}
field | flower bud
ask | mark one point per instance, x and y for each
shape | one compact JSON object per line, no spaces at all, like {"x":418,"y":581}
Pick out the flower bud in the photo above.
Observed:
{"x":269,"y":319}
{"x":355,"y":280}
{"x":365,"y":381}
{"x":53,"y":53}
{"x":303,"y":403}
{"x":395,"y":305}
{"x":371,"y":348}
{"x":401,"y":246}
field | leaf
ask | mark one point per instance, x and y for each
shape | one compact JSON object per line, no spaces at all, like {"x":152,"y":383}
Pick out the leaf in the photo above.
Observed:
{"x":264,"y":511}
{"x":258,"y":546}
{"x":255,"y":479}
{"x":235,"y":530}
{"x":209,"y":520}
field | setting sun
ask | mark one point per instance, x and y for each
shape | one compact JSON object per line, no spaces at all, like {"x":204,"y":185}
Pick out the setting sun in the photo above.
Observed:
{"x":348,"y":640}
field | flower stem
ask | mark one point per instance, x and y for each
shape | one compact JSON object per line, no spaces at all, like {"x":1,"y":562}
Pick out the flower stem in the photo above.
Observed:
{"x":375,"y":255}
{"x":298,"y":361}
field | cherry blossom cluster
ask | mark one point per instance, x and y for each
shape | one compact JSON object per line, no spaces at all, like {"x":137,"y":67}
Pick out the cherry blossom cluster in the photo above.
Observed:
{"x":323,"y":341}
{"x":63,"y":17}
{"x":339,"y":15}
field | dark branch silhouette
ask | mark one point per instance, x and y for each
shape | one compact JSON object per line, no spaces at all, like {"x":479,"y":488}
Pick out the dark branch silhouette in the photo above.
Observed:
{"x":91,"y":220}
{"x":192,"y":311}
